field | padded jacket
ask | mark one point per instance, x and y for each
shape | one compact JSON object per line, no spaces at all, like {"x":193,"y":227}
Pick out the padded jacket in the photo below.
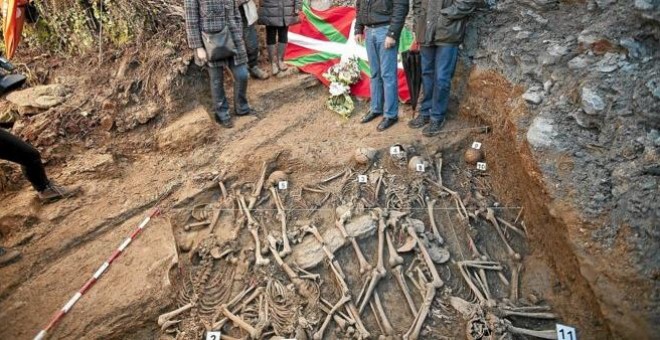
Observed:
{"x":381,"y":13}
{"x":441,"y":22}
{"x":279,"y":12}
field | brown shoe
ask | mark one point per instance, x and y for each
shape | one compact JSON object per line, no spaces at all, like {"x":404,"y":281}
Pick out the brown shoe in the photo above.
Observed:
{"x":55,"y":192}
{"x":8,"y":256}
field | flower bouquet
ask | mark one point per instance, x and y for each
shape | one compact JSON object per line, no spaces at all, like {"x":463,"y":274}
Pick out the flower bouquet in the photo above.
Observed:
{"x":341,"y":76}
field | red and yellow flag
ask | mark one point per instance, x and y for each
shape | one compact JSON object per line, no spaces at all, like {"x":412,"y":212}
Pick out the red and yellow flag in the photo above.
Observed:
{"x":13,"y":12}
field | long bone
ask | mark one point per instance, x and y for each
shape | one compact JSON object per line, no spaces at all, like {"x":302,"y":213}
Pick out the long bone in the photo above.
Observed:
{"x":478,"y":255}
{"x":533,"y":315}
{"x":272,"y":243}
{"x":431,"y":287}
{"x":164,"y":318}
{"x":490,"y":216}
{"x":254,"y":332}
{"x":352,"y":310}
{"x":470,"y":283}
{"x":230,"y":304}
{"x":252,"y":228}
{"x":259,"y":260}
{"x":333,"y":261}
{"x":515,"y":278}
{"x":387,"y":326}
{"x":340,"y":319}
{"x":549,"y":334}
{"x":429,"y":208}
{"x":396,"y":261}
{"x":413,"y":332}
{"x":257,"y":189}
{"x":409,"y":273}
{"x":343,"y":300}
{"x":437,"y":282}
{"x":280,"y":211}
{"x":364,"y":265}
{"x":379,"y":272}
{"x":401,"y":280}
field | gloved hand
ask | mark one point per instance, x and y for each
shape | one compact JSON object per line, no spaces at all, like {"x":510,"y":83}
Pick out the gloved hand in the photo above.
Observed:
{"x":201,"y":55}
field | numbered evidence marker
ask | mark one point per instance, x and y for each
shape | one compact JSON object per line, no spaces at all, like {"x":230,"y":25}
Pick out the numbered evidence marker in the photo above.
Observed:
{"x":283,"y":185}
{"x":481,"y":166}
{"x":420,"y":167}
{"x":476,"y":145}
{"x":213,"y":335}
{"x":395,"y":150}
{"x":566,"y":333}
{"x":362,"y":178}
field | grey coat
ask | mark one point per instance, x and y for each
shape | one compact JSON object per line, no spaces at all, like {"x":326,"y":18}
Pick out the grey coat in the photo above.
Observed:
{"x":212,"y":16}
{"x":441,"y":22}
{"x":279,"y":12}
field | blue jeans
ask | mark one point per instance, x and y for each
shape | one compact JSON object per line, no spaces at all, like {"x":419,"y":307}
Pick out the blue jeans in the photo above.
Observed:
{"x":384,"y":82}
{"x":220,"y":104}
{"x":438,"y":65}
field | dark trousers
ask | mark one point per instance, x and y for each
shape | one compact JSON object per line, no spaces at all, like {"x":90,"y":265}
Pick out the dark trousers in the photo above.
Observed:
{"x":15,"y":150}
{"x":275,"y":34}
{"x":220,"y":104}
{"x":251,"y":41}
{"x":438,"y":66}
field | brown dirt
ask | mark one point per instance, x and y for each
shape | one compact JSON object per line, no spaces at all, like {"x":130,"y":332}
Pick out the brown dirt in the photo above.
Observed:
{"x":123,"y":175}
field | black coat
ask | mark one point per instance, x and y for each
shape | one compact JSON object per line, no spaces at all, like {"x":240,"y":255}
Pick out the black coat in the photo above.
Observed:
{"x":279,"y":12}
{"x":441,"y":22}
{"x":380,"y":13}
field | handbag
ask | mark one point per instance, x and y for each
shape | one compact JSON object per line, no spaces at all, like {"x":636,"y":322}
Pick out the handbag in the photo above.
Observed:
{"x":220,"y":45}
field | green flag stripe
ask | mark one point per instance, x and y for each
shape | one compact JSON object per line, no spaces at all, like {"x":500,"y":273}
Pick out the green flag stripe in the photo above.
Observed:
{"x":326,"y":29}
{"x":312,"y":58}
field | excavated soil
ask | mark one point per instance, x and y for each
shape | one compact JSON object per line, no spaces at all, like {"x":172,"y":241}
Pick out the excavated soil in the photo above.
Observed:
{"x":175,"y":161}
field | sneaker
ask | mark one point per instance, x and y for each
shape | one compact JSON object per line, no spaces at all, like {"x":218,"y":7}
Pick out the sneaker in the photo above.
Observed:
{"x":419,"y":122}
{"x":274,"y":69}
{"x":434,"y":128}
{"x":258,"y":73}
{"x":55,"y":192}
{"x":8,"y":256}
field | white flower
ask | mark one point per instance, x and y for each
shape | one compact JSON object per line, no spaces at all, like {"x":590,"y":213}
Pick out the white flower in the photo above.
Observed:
{"x":337,"y":89}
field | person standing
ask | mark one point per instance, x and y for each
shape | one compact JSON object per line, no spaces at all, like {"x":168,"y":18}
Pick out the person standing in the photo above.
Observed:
{"x":277,"y":16}
{"x":439,"y":29}
{"x":15,"y":150}
{"x":212,"y":16}
{"x":381,"y":21}
{"x":249,"y":15}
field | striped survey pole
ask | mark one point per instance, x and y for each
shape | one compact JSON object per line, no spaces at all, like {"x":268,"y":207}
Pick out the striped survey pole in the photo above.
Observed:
{"x":67,"y":307}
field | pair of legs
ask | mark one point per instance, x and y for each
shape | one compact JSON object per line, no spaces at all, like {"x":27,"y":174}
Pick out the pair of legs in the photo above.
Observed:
{"x":15,"y":150}
{"x":252,"y":48}
{"x":438,"y":66}
{"x":276,"y":39}
{"x":384,"y":81}
{"x":220,"y":103}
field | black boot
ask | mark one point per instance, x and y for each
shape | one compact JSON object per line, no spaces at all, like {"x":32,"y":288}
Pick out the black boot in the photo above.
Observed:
{"x":220,"y":105}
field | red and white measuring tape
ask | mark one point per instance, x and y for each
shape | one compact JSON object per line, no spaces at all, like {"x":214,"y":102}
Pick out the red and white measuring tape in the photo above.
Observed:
{"x":67,"y":307}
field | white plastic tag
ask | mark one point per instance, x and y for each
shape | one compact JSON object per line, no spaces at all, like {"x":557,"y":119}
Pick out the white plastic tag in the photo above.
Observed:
{"x":476,"y":145}
{"x":420,"y":167}
{"x":283,"y":185}
{"x":481,"y":166}
{"x":395,"y":150}
{"x":362,"y":178}
{"x":214,"y":335}
{"x":566,"y":332}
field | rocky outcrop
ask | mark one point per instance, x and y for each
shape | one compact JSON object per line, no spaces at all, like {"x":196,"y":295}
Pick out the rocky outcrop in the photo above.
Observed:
{"x":590,"y":77}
